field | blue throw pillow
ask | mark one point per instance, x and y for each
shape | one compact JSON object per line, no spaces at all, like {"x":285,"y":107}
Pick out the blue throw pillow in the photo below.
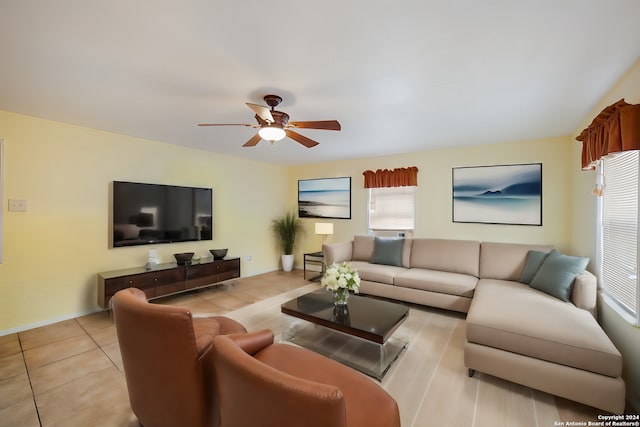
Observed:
{"x":387,"y":251}
{"x":532,"y":265}
{"x":557,"y":273}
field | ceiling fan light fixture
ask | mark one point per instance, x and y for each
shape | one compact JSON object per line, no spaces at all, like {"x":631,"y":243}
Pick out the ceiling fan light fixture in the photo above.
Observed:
{"x":272,"y":133}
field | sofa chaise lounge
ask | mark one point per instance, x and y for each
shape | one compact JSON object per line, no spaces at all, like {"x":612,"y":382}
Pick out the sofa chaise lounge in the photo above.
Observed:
{"x":513,"y":331}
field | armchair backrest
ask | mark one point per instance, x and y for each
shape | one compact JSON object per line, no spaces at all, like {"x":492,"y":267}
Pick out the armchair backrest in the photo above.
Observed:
{"x":162,"y":366}
{"x":270,"y":398}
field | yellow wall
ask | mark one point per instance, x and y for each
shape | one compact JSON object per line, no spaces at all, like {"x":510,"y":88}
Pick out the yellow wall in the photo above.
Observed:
{"x":625,"y":336}
{"x":52,"y":252}
{"x":434,"y":198}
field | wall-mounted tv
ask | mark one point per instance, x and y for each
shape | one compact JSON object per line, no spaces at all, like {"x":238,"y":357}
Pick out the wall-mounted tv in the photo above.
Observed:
{"x":148,"y":214}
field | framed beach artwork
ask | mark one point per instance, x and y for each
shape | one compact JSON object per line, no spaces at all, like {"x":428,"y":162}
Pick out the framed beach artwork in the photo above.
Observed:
{"x":503,"y":194}
{"x":324,"y":198}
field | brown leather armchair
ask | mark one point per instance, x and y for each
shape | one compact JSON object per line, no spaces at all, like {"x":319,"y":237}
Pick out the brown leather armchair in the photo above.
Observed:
{"x":260,"y":383}
{"x":167,"y":360}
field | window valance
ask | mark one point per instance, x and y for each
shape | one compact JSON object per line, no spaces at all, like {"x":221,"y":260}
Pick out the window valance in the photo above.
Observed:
{"x":398,"y":177}
{"x":615,"y":129}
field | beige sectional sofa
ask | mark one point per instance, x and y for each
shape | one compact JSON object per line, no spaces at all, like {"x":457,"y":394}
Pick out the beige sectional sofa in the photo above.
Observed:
{"x":513,"y":331}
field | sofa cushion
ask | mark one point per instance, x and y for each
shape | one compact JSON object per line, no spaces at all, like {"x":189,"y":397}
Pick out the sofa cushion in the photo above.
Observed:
{"x":532,"y":265}
{"x":442,"y":282}
{"x":377,"y":272}
{"x":454,"y":256}
{"x":514,"y":317}
{"x":387,"y":251}
{"x":505,"y":261}
{"x":362,"y":248}
{"x":557,"y":273}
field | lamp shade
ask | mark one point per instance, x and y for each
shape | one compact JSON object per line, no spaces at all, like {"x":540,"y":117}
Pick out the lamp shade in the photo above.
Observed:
{"x":272,"y":133}
{"x":324,"y":228}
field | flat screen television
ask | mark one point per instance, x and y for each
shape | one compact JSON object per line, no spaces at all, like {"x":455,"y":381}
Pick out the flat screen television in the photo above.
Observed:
{"x":148,"y":214}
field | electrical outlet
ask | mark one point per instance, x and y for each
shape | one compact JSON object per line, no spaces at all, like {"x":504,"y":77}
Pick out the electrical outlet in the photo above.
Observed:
{"x":17,"y":205}
{"x":248,"y":257}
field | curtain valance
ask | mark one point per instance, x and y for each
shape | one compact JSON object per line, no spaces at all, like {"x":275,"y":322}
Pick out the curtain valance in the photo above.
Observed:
{"x":615,"y":129}
{"x":398,"y":177}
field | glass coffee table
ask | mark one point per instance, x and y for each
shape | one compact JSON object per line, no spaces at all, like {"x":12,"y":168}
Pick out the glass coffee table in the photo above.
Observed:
{"x":358,"y":335}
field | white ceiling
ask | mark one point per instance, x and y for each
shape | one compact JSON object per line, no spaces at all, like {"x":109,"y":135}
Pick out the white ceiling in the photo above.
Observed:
{"x":400,"y":76}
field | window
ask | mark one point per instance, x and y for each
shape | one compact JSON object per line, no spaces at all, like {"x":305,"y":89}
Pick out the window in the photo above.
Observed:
{"x":618,"y":240}
{"x":392,"y":208}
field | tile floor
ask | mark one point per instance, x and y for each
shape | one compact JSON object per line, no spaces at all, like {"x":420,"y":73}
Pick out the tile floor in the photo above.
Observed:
{"x":70,"y":373}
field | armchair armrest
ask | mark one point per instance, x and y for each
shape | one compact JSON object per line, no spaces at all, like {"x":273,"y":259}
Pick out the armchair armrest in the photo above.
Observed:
{"x":253,"y":342}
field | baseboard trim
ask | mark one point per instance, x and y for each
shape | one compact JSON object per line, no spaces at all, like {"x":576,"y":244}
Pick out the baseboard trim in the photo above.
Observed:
{"x":46,"y":322}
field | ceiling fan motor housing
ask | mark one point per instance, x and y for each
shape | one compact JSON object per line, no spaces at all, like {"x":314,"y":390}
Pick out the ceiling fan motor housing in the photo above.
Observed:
{"x":272,"y":100}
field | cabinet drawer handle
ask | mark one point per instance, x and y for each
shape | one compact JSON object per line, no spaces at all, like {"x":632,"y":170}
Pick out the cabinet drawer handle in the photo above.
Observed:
{"x":130,"y":282}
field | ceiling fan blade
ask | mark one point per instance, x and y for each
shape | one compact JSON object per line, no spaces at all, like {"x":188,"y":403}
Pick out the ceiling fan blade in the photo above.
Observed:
{"x":261,"y":122}
{"x":261,"y":111}
{"x":253,"y":141}
{"x":319,"y":124}
{"x":301,"y":138}
{"x":225,"y":124}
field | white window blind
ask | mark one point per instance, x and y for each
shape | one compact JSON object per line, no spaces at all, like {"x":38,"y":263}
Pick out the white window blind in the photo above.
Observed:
{"x":392,"y":208}
{"x":620,"y":230}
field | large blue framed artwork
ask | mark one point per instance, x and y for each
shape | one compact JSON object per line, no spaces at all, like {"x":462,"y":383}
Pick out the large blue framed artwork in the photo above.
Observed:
{"x":503,"y":194}
{"x":324,"y":198}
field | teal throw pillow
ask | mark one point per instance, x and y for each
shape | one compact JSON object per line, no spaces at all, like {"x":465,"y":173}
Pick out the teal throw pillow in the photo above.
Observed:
{"x":387,"y":251}
{"x":532,"y":265}
{"x":557,"y":273}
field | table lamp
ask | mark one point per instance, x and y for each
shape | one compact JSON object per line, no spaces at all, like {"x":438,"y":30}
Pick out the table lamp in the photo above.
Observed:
{"x":324,"y":229}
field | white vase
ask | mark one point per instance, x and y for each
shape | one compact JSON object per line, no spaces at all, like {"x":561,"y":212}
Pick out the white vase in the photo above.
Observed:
{"x":287,"y":262}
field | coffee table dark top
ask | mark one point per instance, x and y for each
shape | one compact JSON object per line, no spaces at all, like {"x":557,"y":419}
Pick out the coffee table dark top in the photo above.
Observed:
{"x":364,"y":317}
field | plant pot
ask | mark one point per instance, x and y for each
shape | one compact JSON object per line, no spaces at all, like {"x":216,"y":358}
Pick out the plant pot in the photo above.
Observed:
{"x":287,"y":262}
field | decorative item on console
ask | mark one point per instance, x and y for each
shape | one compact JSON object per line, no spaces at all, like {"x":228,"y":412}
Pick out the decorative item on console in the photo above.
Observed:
{"x":152,"y":260}
{"x":184,"y":258}
{"x":218,"y":253}
{"x":339,"y":279}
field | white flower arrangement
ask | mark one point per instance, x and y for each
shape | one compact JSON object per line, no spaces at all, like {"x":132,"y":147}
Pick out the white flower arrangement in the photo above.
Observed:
{"x":341,"y":276}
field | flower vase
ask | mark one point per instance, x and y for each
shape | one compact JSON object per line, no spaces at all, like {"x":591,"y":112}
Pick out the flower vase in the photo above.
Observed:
{"x":340,"y":296}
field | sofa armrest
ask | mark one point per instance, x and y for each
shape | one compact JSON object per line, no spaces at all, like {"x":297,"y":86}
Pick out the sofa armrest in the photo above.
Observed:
{"x":585,"y":292}
{"x":253,"y":342}
{"x":337,"y":252}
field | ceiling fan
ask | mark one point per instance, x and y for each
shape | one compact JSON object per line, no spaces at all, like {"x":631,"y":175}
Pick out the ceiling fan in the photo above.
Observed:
{"x":275,"y":125}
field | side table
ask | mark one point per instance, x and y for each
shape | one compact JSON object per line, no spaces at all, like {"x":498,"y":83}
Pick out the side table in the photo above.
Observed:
{"x":314,"y":259}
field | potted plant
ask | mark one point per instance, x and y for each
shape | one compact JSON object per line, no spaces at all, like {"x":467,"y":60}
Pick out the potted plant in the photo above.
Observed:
{"x":286,"y":228}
